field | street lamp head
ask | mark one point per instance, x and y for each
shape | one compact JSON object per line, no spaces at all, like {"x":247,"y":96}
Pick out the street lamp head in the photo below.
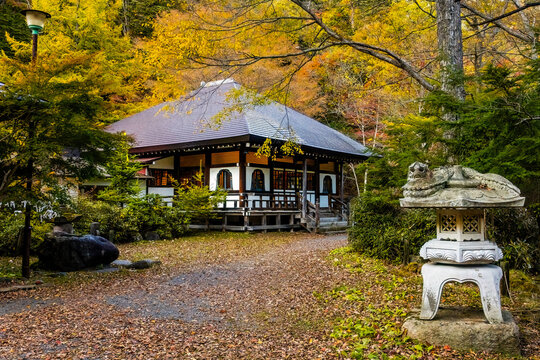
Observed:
{"x":35,"y":19}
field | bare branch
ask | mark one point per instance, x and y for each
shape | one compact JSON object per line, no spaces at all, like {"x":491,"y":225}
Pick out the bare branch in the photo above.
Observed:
{"x":377,"y":52}
{"x":424,"y":11}
{"x":515,"y":11}
{"x":497,"y":23}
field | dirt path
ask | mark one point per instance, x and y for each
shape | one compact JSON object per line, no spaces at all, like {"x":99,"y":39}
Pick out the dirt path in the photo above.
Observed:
{"x":260,"y":306}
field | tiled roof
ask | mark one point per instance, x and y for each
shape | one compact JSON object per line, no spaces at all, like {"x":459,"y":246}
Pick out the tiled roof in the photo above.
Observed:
{"x":191,"y":120}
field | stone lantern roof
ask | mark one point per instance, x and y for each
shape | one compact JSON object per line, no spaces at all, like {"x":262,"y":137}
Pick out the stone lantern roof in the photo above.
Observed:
{"x":457,"y":187}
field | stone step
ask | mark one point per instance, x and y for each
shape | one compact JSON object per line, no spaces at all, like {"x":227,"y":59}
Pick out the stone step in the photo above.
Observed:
{"x":333,"y":223}
{"x":329,"y":219}
{"x":329,"y":227}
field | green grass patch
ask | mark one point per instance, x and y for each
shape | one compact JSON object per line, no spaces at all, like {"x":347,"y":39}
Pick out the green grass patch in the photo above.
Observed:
{"x":374,"y":307}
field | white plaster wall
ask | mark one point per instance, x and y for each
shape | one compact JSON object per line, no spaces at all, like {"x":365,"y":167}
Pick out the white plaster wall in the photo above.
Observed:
{"x":165,"y":163}
{"x":235,"y":172}
{"x":166,"y":193}
{"x":321,"y":179}
{"x":249,"y":173}
{"x":323,"y":199}
{"x":230,"y":201}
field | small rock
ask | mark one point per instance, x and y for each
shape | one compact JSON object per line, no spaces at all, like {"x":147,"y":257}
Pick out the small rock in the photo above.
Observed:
{"x":94,"y":228}
{"x":58,"y":274}
{"x":151,"y":236}
{"x":107,"y":270}
{"x":144,"y":264}
{"x":121,"y":263}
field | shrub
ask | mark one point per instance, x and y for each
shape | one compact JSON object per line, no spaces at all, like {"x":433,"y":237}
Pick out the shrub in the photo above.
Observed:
{"x":11,"y":225}
{"x":517,"y":233}
{"x":383,"y":230}
{"x":149,"y":213}
{"x":107,"y":214}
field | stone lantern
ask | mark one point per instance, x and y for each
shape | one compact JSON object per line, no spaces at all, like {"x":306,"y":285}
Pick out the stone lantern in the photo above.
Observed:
{"x":461,"y":252}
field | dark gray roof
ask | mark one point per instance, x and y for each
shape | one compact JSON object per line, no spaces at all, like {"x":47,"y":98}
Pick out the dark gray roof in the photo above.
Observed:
{"x":192,"y":121}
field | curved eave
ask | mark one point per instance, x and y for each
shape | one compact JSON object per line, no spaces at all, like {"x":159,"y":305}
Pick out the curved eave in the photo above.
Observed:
{"x":235,"y":141}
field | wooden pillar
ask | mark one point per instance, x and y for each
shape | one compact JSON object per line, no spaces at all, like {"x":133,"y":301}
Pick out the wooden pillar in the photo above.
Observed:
{"x":338,"y":177}
{"x":342,"y":182}
{"x":317,"y":180}
{"x":207,"y":164}
{"x":176,"y":169}
{"x":304,"y":189}
{"x":246,"y":221}
{"x":242,"y":180}
{"x":271,"y":202}
{"x":291,"y":222}
{"x":295,"y":184}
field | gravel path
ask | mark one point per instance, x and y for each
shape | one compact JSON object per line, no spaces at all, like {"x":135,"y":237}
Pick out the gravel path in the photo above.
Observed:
{"x":260,"y":306}
{"x":232,"y":293}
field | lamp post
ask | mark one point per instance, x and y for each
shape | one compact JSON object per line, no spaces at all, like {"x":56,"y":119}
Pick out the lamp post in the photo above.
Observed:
{"x":35,"y":20}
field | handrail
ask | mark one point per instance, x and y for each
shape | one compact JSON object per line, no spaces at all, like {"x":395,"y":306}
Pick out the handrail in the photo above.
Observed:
{"x":264,"y":200}
{"x":339,"y":207}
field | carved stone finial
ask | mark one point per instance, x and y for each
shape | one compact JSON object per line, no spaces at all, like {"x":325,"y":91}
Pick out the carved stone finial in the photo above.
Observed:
{"x":457,"y":186}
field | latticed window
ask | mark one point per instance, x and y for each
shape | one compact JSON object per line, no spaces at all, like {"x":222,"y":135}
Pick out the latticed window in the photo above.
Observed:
{"x":188,"y":176}
{"x":448,"y":223}
{"x":471,"y":224}
{"x":284,"y":180}
{"x":299,"y":181}
{"x":278,"y":180}
{"x":257,"y":180}
{"x":160,"y":178}
{"x":327,"y":185}
{"x":310,"y":182}
{"x":290,"y":180}
{"x":224,"y":179}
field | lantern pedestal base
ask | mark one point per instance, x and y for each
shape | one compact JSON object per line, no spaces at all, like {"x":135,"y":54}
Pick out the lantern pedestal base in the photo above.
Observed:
{"x":487,"y":277}
{"x":466,"y":329}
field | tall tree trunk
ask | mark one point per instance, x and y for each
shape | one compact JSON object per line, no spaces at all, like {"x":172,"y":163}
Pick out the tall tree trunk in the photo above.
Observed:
{"x":450,"y":43}
{"x":355,"y":178}
{"x":125,"y":22}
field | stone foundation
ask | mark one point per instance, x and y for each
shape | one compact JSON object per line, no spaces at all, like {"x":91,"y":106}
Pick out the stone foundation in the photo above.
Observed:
{"x":466,"y":329}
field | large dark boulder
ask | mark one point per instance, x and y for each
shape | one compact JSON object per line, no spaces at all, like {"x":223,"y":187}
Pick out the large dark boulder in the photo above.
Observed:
{"x":66,"y":252}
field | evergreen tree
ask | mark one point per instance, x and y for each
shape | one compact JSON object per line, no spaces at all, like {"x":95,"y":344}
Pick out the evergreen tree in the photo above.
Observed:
{"x":122,"y":169}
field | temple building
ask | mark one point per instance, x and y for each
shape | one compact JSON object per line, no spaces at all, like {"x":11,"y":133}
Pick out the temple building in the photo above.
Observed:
{"x":175,"y":140}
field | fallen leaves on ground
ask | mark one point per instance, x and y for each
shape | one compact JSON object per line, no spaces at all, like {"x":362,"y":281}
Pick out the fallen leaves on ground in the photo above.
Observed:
{"x":222,"y":296}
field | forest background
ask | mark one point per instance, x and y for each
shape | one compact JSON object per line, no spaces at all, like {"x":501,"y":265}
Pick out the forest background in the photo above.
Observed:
{"x":107,"y":59}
